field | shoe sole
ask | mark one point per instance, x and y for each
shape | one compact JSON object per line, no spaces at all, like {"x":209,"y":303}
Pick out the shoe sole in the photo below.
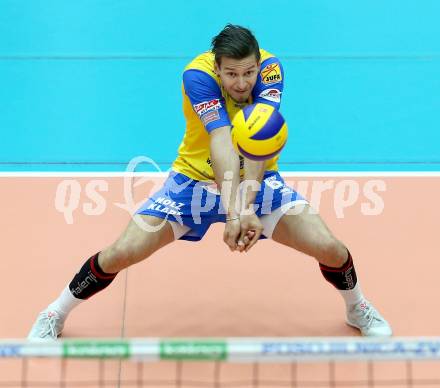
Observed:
{"x":365,"y":335}
{"x":352,"y":325}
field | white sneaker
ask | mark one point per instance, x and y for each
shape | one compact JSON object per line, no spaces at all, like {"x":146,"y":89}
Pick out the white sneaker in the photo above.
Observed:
{"x":367,"y":319}
{"x":47,"y":327}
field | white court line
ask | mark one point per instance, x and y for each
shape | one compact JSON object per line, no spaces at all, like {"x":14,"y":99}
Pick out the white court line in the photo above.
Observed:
{"x":311,"y":174}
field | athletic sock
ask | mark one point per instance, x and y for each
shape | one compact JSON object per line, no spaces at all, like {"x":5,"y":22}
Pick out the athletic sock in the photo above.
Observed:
{"x":65,"y":303}
{"x":345,"y":280}
{"x":353,"y":296}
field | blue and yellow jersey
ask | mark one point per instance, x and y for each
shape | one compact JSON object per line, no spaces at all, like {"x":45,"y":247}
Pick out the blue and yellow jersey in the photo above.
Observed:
{"x":206,"y":106}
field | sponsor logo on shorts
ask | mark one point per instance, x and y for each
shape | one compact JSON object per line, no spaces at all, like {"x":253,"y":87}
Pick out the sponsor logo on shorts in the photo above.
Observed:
{"x":209,"y":117}
{"x":273,"y":182}
{"x":207,"y":106}
{"x":285,"y":190}
{"x":271,"y":74}
{"x":271,"y":95}
{"x":167,"y":206}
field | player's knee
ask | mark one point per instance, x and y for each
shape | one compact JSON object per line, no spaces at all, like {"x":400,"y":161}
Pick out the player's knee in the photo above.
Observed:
{"x":115,"y":258}
{"x":332,"y":252}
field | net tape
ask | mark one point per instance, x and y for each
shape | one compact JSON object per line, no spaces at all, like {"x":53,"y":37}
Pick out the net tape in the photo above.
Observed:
{"x":230,"y":349}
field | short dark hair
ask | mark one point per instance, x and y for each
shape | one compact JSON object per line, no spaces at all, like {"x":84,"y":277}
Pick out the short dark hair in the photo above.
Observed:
{"x":235,"y":42}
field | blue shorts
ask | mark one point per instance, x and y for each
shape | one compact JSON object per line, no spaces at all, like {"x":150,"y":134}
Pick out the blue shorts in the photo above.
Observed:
{"x":197,"y":204}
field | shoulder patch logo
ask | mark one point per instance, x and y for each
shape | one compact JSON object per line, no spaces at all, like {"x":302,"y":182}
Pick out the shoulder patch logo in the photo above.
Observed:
{"x":271,"y":95}
{"x":207,"y":106}
{"x":271,"y":74}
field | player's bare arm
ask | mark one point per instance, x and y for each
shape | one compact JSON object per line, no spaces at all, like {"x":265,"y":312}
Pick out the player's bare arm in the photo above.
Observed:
{"x":251,"y":227}
{"x":226,"y":164}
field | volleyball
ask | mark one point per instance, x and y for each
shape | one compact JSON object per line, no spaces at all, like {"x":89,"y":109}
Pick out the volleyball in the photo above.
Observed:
{"x":259,"y":132}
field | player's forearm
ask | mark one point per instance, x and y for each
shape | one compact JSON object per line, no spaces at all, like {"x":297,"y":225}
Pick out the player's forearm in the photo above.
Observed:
{"x":253,"y":175}
{"x":226,"y":167}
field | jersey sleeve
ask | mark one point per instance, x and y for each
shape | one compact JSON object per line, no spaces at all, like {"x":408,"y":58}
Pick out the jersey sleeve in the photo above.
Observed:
{"x":270,"y":83}
{"x":206,"y":99}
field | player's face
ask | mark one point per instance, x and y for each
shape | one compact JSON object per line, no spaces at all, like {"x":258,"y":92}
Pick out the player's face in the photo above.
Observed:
{"x":238,"y":76}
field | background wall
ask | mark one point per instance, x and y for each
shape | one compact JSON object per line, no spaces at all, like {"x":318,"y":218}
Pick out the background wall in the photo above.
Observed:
{"x":87,"y":85}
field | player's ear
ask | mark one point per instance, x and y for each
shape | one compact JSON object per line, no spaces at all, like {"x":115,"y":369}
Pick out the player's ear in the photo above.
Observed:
{"x":216,"y":68}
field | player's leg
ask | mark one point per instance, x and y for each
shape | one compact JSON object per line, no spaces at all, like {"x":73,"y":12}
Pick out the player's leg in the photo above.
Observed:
{"x":305,"y":231}
{"x":135,"y":244}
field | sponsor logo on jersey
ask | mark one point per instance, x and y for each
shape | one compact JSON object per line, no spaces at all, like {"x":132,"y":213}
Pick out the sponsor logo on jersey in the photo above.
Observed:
{"x":207,"y":106}
{"x":210,"y":116}
{"x":271,"y":74}
{"x":271,"y":95}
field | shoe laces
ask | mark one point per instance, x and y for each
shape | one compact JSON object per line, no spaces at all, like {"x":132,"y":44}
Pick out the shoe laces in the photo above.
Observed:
{"x":50,"y":318}
{"x":368,"y":313}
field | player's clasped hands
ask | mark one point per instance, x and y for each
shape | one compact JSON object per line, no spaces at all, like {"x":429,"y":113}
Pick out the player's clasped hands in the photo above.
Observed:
{"x":242,"y":233}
